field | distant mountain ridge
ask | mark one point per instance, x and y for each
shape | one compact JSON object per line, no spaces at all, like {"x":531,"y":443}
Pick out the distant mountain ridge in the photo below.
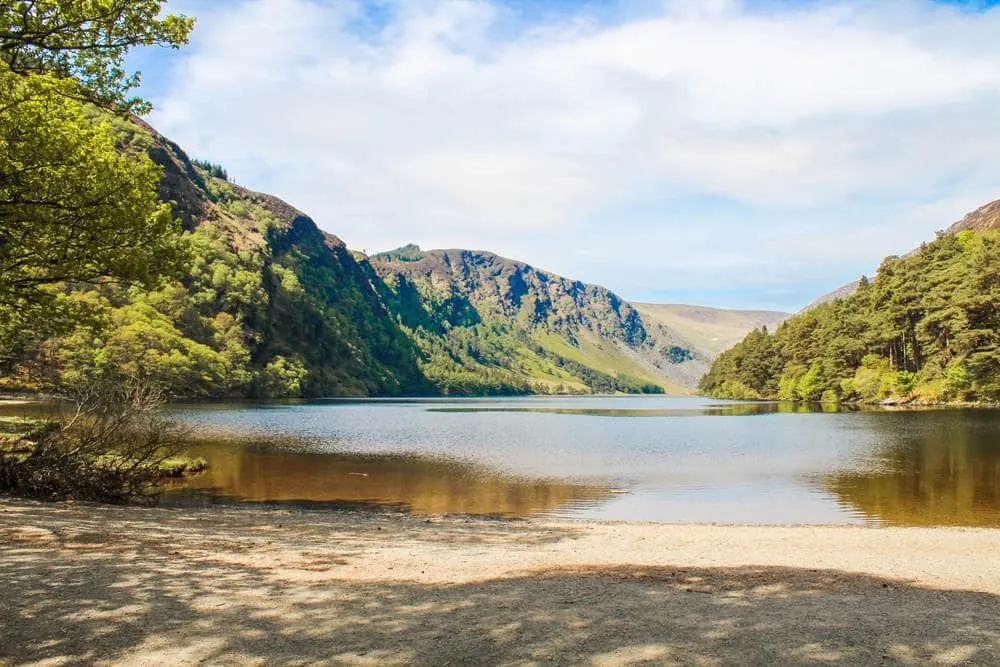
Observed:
{"x":272,"y":306}
{"x":711,"y":330}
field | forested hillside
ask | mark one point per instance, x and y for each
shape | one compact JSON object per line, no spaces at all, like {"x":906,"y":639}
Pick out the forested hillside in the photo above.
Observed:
{"x":926,"y":328}
{"x":984,"y":218}
{"x":263,"y":303}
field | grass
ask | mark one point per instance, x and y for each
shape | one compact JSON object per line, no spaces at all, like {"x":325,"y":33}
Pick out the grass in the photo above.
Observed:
{"x":596,"y":355}
{"x":17,"y":434}
{"x":179,"y":466}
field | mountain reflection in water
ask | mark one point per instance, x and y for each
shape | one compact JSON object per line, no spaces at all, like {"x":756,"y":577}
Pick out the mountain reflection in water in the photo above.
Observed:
{"x":709,"y":410}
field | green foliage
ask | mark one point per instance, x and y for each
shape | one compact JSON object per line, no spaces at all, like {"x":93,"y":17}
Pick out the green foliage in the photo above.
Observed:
{"x":289,"y":319}
{"x":213,"y":169}
{"x":472,"y":349}
{"x":957,"y":380}
{"x":281,"y":377}
{"x":812,"y":385}
{"x":72,"y":207}
{"x":904,"y":382}
{"x":737,"y":391}
{"x":927,"y":326}
{"x":86,"y":41}
{"x":270,"y":306}
{"x":410,"y":252}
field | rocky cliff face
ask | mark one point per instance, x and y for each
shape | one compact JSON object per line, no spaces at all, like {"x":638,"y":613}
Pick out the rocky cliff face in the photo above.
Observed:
{"x":983,"y":218}
{"x":553,"y":319}
{"x":504,"y":288}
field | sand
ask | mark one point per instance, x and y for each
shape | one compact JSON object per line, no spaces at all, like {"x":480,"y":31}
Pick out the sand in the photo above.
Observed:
{"x":92,"y":584}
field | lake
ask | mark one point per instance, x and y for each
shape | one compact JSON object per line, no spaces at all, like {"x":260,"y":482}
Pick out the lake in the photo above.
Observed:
{"x":664,"y":459}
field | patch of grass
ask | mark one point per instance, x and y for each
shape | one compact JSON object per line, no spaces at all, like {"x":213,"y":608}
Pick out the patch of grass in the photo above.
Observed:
{"x":179,"y":466}
{"x":18,"y":434}
{"x":611,"y":362}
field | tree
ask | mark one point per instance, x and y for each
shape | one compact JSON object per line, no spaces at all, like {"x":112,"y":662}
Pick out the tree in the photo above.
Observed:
{"x":73,"y":207}
{"x":927,"y":327}
{"x":86,"y":41}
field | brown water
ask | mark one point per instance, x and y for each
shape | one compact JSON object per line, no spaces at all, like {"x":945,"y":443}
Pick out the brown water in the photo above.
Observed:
{"x":426,"y":485}
{"x":942,"y":470}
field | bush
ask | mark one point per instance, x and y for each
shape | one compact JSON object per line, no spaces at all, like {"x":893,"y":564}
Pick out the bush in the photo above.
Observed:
{"x":109,"y":446}
{"x":957,"y":381}
{"x":737,"y":391}
{"x":903,"y":382}
{"x":812,"y":385}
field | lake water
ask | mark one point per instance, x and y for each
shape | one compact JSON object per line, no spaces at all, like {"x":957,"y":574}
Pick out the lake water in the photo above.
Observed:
{"x":665,"y":459}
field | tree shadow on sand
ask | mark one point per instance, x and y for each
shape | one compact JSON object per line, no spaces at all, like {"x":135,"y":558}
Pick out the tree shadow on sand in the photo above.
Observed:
{"x":83,"y":601}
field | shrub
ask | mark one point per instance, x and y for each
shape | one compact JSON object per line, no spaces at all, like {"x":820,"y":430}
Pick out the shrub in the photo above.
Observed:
{"x":903,"y":382}
{"x":108,"y":446}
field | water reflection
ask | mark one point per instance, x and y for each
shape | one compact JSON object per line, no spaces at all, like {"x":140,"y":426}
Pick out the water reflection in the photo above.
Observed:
{"x":945,"y":473}
{"x":707,"y":410}
{"x":426,"y":485}
{"x":680,"y":459}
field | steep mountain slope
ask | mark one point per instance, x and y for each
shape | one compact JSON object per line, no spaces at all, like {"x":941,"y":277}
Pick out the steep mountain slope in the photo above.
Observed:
{"x":477,"y":314}
{"x":710,"y":331}
{"x":841,"y":292}
{"x":984,"y":218}
{"x":270,"y":305}
{"x":927,"y":327}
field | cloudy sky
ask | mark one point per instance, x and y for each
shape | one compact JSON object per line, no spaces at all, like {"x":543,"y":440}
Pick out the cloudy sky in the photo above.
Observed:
{"x":723,"y":152}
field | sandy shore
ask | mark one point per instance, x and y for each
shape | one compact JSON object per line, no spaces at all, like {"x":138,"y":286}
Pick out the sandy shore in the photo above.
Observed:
{"x":88,"y":584}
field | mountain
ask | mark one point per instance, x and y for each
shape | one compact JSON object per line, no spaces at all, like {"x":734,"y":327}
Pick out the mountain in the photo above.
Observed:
{"x":926,"y":328}
{"x":984,"y":218}
{"x":481,"y":317}
{"x":839,"y":293}
{"x":270,"y":305}
{"x":710,"y":331}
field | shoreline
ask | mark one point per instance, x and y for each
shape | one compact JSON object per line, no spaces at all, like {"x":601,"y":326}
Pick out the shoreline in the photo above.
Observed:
{"x":132,"y":585}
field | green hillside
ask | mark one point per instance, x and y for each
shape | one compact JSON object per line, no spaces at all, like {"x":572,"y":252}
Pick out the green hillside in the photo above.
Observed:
{"x":265,"y":304}
{"x":984,"y":218}
{"x":927,"y":328}
{"x":486,"y":323}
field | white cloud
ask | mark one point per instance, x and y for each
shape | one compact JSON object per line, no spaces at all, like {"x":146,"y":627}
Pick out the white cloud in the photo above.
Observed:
{"x":459,"y":123}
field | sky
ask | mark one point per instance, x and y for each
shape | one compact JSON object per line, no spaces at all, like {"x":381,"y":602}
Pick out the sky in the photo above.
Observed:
{"x":749,"y":154}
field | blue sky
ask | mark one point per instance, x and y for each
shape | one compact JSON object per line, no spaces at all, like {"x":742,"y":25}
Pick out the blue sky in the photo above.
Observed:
{"x":737,"y":154}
